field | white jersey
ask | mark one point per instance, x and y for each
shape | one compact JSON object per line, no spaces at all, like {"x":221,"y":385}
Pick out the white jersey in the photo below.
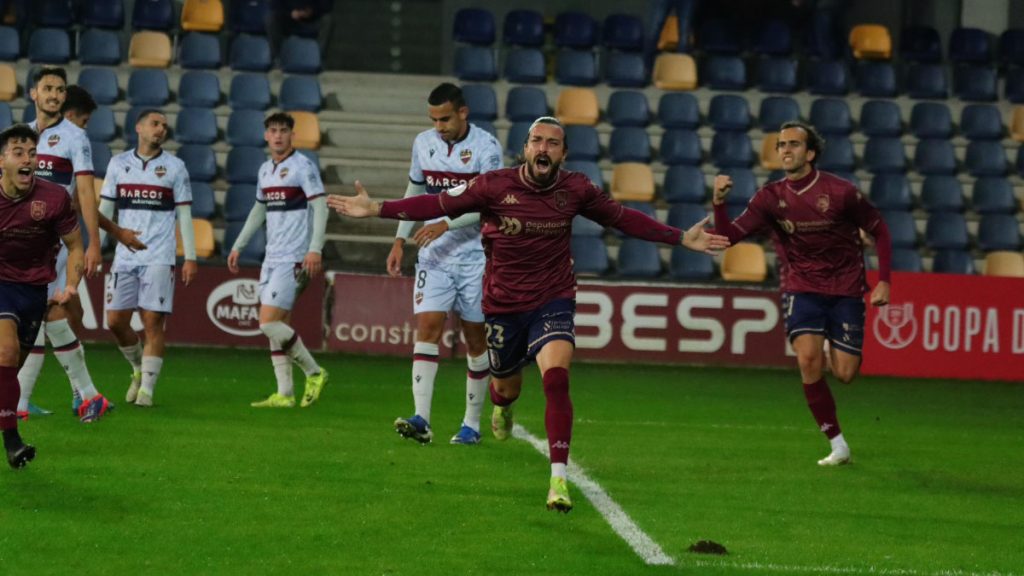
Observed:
{"x":63,"y":152}
{"x":146,"y":193}
{"x":286,"y":189}
{"x":439,"y":166}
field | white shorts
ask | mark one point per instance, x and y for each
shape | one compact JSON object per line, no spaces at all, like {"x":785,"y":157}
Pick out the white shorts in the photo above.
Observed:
{"x":142,"y":287}
{"x":456,"y":287}
{"x":281,"y":283}
{"x":62,"y":273}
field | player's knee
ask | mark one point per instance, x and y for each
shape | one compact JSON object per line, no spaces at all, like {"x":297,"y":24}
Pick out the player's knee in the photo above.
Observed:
{"x":9,"y":355}
{"x":556,"y":380}
{"x":845,"y":374}
{"x":277,"y":332}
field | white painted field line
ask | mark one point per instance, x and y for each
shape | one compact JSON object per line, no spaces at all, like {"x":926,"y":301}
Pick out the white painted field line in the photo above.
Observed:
{"x":642,"y":544}
{"x":826,"y":569}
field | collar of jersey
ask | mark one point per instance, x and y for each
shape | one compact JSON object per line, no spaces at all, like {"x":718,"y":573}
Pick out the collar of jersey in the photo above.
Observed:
{"x":804,"y":184}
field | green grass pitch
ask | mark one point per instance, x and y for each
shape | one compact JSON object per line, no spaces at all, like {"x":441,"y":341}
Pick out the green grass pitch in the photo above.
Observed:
{"x":203,"y":484}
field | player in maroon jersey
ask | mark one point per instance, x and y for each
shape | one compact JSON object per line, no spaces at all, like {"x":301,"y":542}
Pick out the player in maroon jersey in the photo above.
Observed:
{"x":529,"y":287}
{"x":34,"y":216}
{"x":815,"y":219}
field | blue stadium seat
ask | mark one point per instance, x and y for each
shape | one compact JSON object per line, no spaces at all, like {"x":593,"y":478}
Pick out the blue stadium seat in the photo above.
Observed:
{"x":482,"y":102}
{"x":238,"y":201}
{"x":880,"y":118}
{"x":254,"y":251}
{"x":689,"y":265}
{"x":203,"y":203}
{"x":678,"y":110}
{"x":935,"y":156}
{"x":475,"y":64}
{"x":243,"y":164}
{"x":525,"y":104}
{"x":638,"y":259}
{"x":993,"y":195}
{"x":249,"y":92}
{"x":588,"y":167}
{"x":774,"y":38}
{"x":101,"y":83}
{"x":49,"y":46}
{"x":946,"y":231}
{"x":906,"y":260}
{"x":953,"y":262}
{"x":891,"y":192}
{"x":474,"y":26}
{"x":153,"y":15}
{"x":300,"y":56}
{"x":247,"y":17}
{"x":582,"y":226}
{"x":920,"y":44}
{"x":981,"y":122}
{"x":10,"y":44}
{"x":680,"y":147}
{"x":1011,"y":46}
{"x":28,"y":114}
{"x":623,"y":32}
{"x":729,"y":112}
{"x":249,"y":54}
{"x":99,"y":48}
{"x":775,"y":110}
{"x":885,"y":155}
{"x":719,"y":36}
{"x":576,"y":68}
{"x":725,"y":73}
{"x":876,"y":79}
{"x":101,"y":126}
{"x":732,"y":150}
{"x":927,"y":81}
{"x":684,"y":184}
{"x":523,"y":28}
{"x":975,"y":83}
{"x":52,"y":13}
{"x":245,"y":128}
{"x":300,"y":93}
{"x":686,"y":214}
{"x":198,"y":89}
{"x":583,"y":143}
{"x":128,"y":127}
{"x":970,"y":45}
{"x":200,"y":162}
{"x":100,"y":158}
{"x":1019,"y":164}
{"x":630,"y":144}
{"x":148,"y":87}
{"x":902,"y":229}
{"x":931,"y":120}
{"x":625,"y":70}
{"x":486,"y":126}
{"x":525,"y":66}
{"x":107,"y":14}
{"x":200,"y":51}
{"x":850,"y":177}
{"x":628,"y":108}
{"x":744,"y":185}
{"x":837,"y":156}
{"x":589,"y":255}
{"x":196,"y":126}
{"x":831,"y":116}
{"x":576,"y":30}
{"x":942,"y":193}
{"x":6,"y":116}
{"x":986,"y":158}
{"x":999,"y":232}
{"x":777,"y":75}
{"x":830,"y":78}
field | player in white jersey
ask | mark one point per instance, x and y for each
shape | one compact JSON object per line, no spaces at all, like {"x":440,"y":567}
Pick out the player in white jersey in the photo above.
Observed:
{"x":290,"y":198}
{"x":450,"y":266}
{"x":149,"y":187}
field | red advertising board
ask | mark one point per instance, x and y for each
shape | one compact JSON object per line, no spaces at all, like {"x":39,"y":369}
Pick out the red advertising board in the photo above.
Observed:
{"x":219,"y":309}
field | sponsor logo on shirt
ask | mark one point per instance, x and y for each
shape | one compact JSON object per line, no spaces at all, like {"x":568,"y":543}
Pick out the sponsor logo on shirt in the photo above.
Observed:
{"x":510,"y":199}
{"x":510,"y":226}
{"x":37,"y":210}
{"x":787,"y":226}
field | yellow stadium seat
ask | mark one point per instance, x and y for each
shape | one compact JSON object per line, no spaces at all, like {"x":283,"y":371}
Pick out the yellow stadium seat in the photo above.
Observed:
{"x":578,"y":106}
{"x":769,"y":152}
{"x":149,"y":49}
{"x":675,"y":72}
{"x":668,"y":40}
{"x":744,"y":262}
{"x":632,"y":182}
{"x":202,"y":16}
{"x":307,"y":130}
{"x":204,"y":238}
{"x":871,"y":42}
{"x":1004,"y":263}
{"x":1017,"y":124}
{"x":8,"y":83}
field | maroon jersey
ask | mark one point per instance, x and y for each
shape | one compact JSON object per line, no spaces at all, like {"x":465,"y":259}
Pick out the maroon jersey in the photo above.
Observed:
{"x":527,"y":230}
{"x":30,"y":232}
{"x":814,"y":224}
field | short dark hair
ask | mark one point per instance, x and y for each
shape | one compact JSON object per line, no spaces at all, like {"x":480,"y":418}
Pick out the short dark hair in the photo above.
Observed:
{"x":78,"y":100}
{"x":50,"y":71}
{"x":814,"y":140}
{"x":17,"y":132}
{"x":447,"y":92}
{"x":280,"y":118}
{"x":145,"y":114}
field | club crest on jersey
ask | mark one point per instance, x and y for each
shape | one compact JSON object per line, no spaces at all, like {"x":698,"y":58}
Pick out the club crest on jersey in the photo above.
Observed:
{"x":822,"y":203}
{"x":53,"y":140}
{"x":419,"y":298}
{"x":561,"y":199}
{"x":284,"y":172}
{"x":37,"y":210}
{"x":466,"y":155}
{"x":160,"y":171}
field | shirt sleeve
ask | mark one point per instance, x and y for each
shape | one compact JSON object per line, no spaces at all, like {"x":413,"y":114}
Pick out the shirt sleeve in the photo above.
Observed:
{"x":492,"y":159}
{"x":109,"y":190}
{"x":599,"y":206}
{"x":81,"y":157}
{"x":312,"y":185}
{"x":753,"y":220}
{"x":415,"y":170}
{"x":182,"y":188}
{"x":469,"y":197}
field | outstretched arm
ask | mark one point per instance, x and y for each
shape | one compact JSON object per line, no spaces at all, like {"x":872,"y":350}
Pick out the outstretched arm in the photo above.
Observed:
{"x":416,"y":208}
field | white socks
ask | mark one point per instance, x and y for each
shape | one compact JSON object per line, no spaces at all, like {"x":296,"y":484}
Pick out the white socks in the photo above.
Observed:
{"x":287,"y":340}
{"x":477,"y":376}
{"x":558,"y":469}
{"x":424,"y":371}
{"x":282,"y":371}
{"x":29,"y":373}
{"x":71,"y":356}
{"x":151,"y":366}
{"x":133,"y":354}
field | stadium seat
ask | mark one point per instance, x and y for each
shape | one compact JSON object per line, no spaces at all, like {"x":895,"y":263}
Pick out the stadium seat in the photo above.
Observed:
{"x":732,"y":150}
{"x":243,"y":164}
{"x":148,"y":87}
{"x":628,"y":108}
{"x":101,"y":155}
{"x":1011,"y":47}
{"x":583,"y":143}
{"x":744,"y":186}
{"x":678,"y":110}
{"x":935,"y":156}
{"x":474,"y":26}
{"x":931,"y":120}
{"x":52,"y":13}
{"x":239,"y":201}
{"x":49,"y":46}
{"x":202,"y":16}
{"x":245,"y":128}
{"x":28,"y":114}
{"x":946,"y":231}
{"x":302,"y":56}
{"x":774,"y":38}
{"x":777,"y":75}
{"x":99,"y":48}
{"x":680,"y":147}
{"x":675,"y":72}
{"x":885,"y":155}
{"x":830,"y":78}
{"x":582,"y":226}
{"x":942,"y":193}
{"x":1019,"y":164}
{"x":200,"y":162}
{"x":198,"y":89}
{"x":831,"y":116}
{"x":837,"y":155}
{"x":475,"y":64}
{"x":247,"y":17}
{"x":891,"y":192}
{"x":300,"y":93}
{"x":776,"y":110}
{"x":906,"y":260}
{"x":482,"y":102}
{"x":101,"y":126}
{"x":589,"y":255}
{"x":668,"y":37}
{"x":6,"y":116}
{"x":686,"y":214}
{"x":516,"y":139}
{"x":684,"y":184}
{"x":252,"y":254}
{"x":686,"y":264}
{"x":101,"y":83}
{"x":10,"y":44}
{"x":876,"y":79}
{"x":203,"y":203}
{"x":927,"y":81}
{"x":576,"y":68}
{"x":525,"y":66}
{"x":589,"y":168}
{"x":525,"y":104}
{"x":920,"y":44}
{"x":486,"y":126}
{"x":153,"y":15}
{"x":249,"y":92}
{"x":986,"y":158}
{"x":632,"y":182}
{"x":577,"y":106}
{"x":202,"y":230}
{"x":638,"y":259}
{"x":200,"y":51}
{"x":901,"y":228}
{"x":1004,"y":263}
{"x":993,"y":195}
{"x":879,"y":118}
{"x":953,"y":261}
{"x":970,"y":45}
{"x":981,"y":122}
{"x":250,"y":53}
{"x":975,"y":83}
{"x":623,"y":32}
{"x":107,"y":14}
{"x":629,"y":144}
{"x":871,"y":42}
{"x":999,"y":232}
{"x":576,"y":30}
{"x":744,"y":262}
{"x":625,"y":70}
{"x":769,"y":159}
{"x":196,"y":126}
{"x":719,"y":36}
{"x":729,"y":112}
{"x":523,"y":28}
{"x":307,"y":130}
{"x":725,"y":73}
{"x":149,"y":49}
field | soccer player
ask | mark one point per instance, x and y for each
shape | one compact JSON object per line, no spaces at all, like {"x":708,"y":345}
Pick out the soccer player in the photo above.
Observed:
{"x":529,"y":286}
{"x":450,"y":267}
{"x":149,"y":188}
{"x":290,"y":197}
{"x":34,"y":216}
{"x":815,"y":219}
